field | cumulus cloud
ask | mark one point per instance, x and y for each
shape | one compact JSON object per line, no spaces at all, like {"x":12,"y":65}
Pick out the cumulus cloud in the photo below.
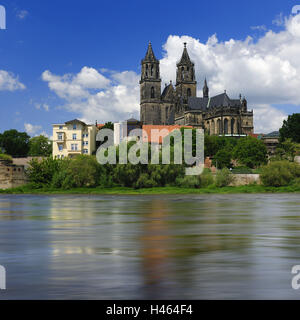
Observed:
{"x":266,"y":71}
{"x":95,"y":96}
{"x":32,"y":129}
{"x":10,"y":82}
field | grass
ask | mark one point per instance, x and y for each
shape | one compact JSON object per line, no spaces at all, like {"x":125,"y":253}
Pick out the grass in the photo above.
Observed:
{"x":163,"y":190}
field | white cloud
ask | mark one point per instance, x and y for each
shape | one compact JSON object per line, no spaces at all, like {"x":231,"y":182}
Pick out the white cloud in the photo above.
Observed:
{"x":266,"y":71}
{"x":32,"y":129}
{"x":94,"y":96}
{"x":22,"y":14}
{"x":10,"y":82}
{"x":259,"y":28}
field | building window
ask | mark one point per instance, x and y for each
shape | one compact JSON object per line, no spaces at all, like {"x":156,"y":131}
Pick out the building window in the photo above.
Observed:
{"x":85,"y":151}
{"x":74,"y":127}
{"x":74,"y":147}
{"x":152,"y":93}
{"x":189,"y":92}
{"x":74,"y":136}
{"x":60,"y":147}
{"x":60,"y":127}
{"x":85,"y":143}
{"x":59,"y":136}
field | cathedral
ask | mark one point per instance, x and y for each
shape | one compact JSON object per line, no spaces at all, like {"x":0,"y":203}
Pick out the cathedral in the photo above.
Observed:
{"x":180,"y":105}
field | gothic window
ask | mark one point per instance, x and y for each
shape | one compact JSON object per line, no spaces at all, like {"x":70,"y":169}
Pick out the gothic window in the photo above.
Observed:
{"x":182,"y":73}
{"x":146,"y":70}
{"x":151,"y":70}
{"x":213,"y":127}
{"x":232,"y":126}
{"x":219,"y":126}
{"x":225,"y":126}
{"x":189,"y":92}
{"x":152,"y":93}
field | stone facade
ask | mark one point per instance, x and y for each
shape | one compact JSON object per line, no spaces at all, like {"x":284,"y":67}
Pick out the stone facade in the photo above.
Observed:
{"x":218,"y":115}
{"x":11,"y":176}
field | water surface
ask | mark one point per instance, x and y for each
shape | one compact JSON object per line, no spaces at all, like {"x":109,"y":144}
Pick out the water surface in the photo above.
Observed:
{"x":150,"y":247}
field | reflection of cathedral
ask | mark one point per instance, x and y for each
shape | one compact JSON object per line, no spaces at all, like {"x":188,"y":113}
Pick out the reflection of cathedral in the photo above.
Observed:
{"x":180,"y":105}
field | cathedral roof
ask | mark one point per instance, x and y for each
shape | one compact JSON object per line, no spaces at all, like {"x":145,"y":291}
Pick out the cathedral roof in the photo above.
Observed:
{"x":221,"y":100}
{"x":169,"y":89}
{"x":185,"y":59}
{"x":150,"y":54}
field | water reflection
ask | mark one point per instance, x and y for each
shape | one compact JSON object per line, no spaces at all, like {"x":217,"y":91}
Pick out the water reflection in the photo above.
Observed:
{"x":151,"y":247}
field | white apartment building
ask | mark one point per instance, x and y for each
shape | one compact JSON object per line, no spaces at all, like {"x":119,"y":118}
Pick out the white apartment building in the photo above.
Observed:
{"x":73,"y":138}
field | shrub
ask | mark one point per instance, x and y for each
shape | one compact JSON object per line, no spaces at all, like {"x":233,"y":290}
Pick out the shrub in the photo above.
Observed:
{"x":145,"y":181}
{"x":83,"y":171}
{"x":6,"y":158}
{"x":279,"y":173}
{"x":224,"y":178}
{"x":206,"y":179}
{"x":189,"y":182}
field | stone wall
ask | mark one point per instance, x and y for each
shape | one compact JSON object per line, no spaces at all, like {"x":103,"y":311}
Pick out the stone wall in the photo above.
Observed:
{"x":245,"y":179}
{"x":11,"y":176}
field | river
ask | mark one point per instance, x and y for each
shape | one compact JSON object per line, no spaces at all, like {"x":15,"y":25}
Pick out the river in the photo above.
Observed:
{"x":150,"y":247}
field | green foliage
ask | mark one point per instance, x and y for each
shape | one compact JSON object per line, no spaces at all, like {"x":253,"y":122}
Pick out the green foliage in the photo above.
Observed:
{"x":6,"y":158}
{"x":291,"y":128}
{"x":108,"y":125}
{"x":206,"y":179}
{"x":15,"y":143}
{"x":82,"y":171}
{"x":280,"y":173}
{"x":40,"y":146}
{"x":286,"y":150}
{"x":213,"y":144}
{"x":223,"y":158}
{"x":42,"y":172}
{"x":224,"y":178}
{"x":250,"y":152}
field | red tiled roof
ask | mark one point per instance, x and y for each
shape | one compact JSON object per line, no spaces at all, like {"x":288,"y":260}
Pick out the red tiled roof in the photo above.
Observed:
{"x":99,"y":126}
{"x":157,"y":136}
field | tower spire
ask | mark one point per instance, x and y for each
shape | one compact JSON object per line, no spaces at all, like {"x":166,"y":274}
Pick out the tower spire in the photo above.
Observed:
{"x":205,"y":89}
{"x":185,"y":58}
{"x":150,"y":54}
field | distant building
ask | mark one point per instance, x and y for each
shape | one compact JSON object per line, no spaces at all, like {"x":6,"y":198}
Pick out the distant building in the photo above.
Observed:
{"x":11,"y":176}
{"x":123,"y":129}
{"x":73,"y":138}
{"x":271,"y":141}
{"x":218,"y":115}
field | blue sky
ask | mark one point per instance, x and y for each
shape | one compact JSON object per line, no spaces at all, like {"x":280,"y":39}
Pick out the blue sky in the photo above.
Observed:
{"x":110,"y":37}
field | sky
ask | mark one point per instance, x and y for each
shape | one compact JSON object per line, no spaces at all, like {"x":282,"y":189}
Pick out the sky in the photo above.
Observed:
{"x":61,"y":60}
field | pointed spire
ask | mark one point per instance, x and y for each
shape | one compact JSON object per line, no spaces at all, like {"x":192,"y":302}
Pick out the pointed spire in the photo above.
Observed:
{"x":150,"y":54}
{"x":205,"y":89}
{"x":185,"y":59}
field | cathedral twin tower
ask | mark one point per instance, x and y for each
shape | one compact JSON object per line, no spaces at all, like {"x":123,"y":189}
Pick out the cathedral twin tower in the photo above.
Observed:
{"x":157,"y":108}
{"x":180,"y":105}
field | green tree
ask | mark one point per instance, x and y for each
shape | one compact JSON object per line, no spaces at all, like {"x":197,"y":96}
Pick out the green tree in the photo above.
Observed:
{"x":40,"y":146}
{"x":291,"y":128}
{"x":223,"y":158}
{"x":287,"y":150}
{"x":250,"y":152}
{"x":15,"y":143}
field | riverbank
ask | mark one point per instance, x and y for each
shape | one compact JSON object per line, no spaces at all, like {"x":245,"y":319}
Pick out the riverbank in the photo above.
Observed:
{"x":161,"y":190}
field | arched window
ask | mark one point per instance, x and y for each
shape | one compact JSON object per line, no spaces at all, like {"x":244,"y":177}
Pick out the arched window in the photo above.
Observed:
{"x":232,"y":126}
{"x":225,"y":126}
{"x":182,"y":73}
{"x":151,"y":70}
{"x":152,"y":93}
{"x":189,"y":92}
{"x":213,"y":127}
{"x":219,"y":126}
{"x":146,"y":70}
